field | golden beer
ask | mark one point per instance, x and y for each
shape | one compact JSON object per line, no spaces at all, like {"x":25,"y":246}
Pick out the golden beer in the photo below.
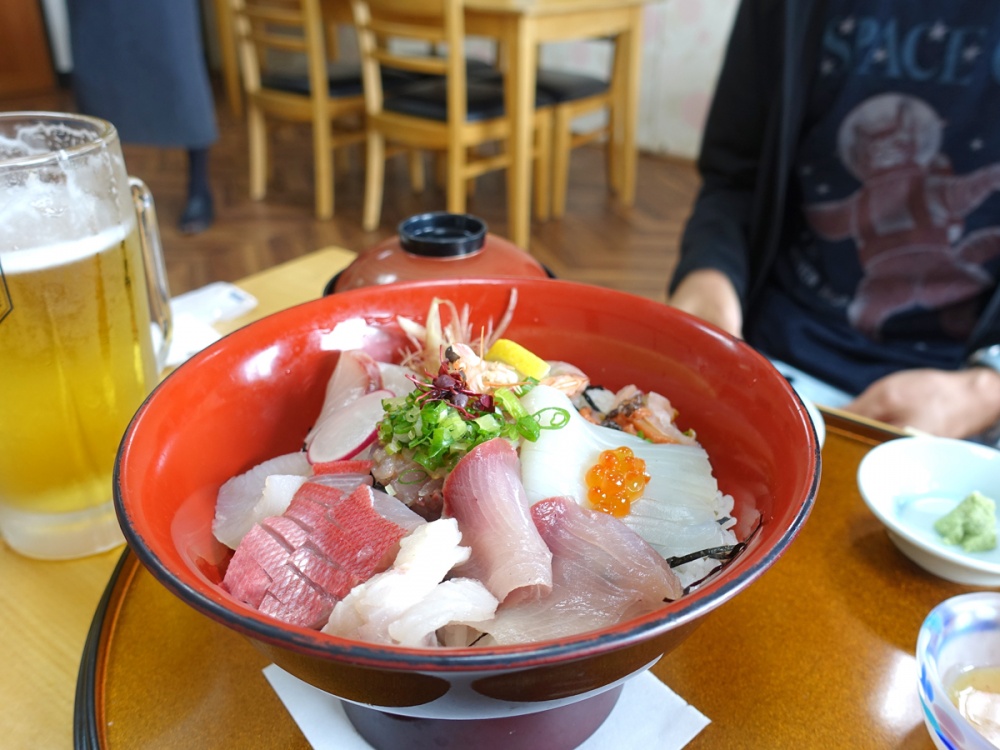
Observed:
{"x":84,"y":325}
{"x":77,"y":363}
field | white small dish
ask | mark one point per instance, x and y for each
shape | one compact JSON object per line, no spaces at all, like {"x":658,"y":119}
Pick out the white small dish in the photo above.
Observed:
{"x":909,"y":483}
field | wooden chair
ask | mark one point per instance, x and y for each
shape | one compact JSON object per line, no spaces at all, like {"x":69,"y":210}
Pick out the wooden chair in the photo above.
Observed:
{"x":328,"y":95}
{"x":449,"y":111}
{"x":576,"y":95}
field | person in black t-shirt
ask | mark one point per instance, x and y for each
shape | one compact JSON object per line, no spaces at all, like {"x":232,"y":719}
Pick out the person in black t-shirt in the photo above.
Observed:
{"x":848,"y":224}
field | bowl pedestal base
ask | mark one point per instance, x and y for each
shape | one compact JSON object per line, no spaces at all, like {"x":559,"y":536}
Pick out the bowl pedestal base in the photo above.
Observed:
{"x":562,"y":728}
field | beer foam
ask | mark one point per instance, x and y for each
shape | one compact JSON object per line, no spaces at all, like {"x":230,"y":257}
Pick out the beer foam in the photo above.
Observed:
{"x":49,"y":218}
{"x":61,"y":253}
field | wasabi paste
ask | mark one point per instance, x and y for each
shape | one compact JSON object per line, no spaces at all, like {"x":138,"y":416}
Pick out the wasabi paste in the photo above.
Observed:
{"x":971,"y":524}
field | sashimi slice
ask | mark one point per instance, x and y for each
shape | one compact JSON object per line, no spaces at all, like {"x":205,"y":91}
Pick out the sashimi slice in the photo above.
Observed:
{"x":355,"y":374}
{"x":297,"y":565}
{"x":680,"y":475}
{"x":396,"y":378}
{"x":363,"y":466}
{"x":463,"y":600}
{"x":345,"y":432}
{"x":484,"y":493}
{"x":425,"y":558}
{"x":238,"y":496}
{"x":603,"y":574}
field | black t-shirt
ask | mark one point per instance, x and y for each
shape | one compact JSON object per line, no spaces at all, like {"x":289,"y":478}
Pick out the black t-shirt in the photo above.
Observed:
{"x":895,"y":244}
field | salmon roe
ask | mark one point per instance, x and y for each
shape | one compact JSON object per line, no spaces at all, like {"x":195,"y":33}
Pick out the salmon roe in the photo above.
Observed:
{"x":616,"y":481}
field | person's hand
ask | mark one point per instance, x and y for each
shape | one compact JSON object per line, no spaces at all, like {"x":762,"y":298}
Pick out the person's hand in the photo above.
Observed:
{"x":948,"y":404}
{"x":711,"y":296}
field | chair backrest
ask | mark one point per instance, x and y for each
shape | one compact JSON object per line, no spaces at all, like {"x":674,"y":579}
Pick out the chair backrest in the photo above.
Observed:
{"x":397,"y":34}
{"x":276,"y":37}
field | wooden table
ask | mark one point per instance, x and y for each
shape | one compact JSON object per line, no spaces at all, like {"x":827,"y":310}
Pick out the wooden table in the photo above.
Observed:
{"x":817,"y":653}
{"x":48,"y":606}
{"x":520,"y":26}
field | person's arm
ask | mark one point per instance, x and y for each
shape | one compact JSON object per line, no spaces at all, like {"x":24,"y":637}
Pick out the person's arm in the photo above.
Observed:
{"x":959,"y":404}
{"x":716,"y":234}
{"x":710,"y":295}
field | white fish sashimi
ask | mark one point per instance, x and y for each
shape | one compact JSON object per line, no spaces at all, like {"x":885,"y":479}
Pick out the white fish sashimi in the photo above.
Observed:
{"x":681,"y":491}
{"x":279,"y":489}
{"x":484,"y":492}
{"x":603,"y":573}
{"x":396,"y":378}
{"x":239,"y":494}
{"x":425,"y":557}
{"x":463,"y":600}
{"x":396,"y":511}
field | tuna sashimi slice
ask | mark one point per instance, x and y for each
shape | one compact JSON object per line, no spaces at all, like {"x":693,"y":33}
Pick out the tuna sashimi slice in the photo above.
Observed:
{"x":295,"y":599}
{"x":485,"y":494}
{"x":297,"y":565}
{"x":603,"y":574}
{"x":323,"y":571}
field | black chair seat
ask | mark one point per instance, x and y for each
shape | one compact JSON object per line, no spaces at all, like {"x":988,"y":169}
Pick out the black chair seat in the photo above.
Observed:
{"x":563,"y":86}
{"x":344,"y":79}
{"x":429,"y":99}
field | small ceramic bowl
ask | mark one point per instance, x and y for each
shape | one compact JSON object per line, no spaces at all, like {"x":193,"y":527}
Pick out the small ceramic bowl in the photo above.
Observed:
{"x":959,"y":634}
{"x":909,"y":483}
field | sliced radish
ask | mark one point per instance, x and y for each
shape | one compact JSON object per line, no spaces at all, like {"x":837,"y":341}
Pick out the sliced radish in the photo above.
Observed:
{"x":344,"y":433}
{"x":355,"y":374}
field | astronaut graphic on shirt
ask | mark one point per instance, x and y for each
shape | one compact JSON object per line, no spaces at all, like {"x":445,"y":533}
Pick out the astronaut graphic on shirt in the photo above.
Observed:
{"x":907,"y":217}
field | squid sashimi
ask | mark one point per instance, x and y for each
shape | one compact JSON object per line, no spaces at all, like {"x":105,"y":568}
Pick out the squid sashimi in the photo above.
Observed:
{"x":484,"y":493}
{"x":403,"y":604}
{"x":681,"y":509}
{"x":603,"y":574}
{"x":296,"y":566}
{"x":237,"y":497}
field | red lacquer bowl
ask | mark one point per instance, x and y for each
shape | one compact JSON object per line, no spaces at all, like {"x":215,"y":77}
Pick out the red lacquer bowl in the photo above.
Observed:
{"x":254,"y":394}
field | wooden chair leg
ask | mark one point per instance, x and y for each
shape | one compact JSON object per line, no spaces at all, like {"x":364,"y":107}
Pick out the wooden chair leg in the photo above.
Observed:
{"x":611,"y":159}
{"x":257,"y":139}
{"x":456,"y":181}
{"x":418,"y":175}
{"x":543,"y":164}
{"x":561,"y":144}
{"x":323,"y":170}
{"x":374,"y":180}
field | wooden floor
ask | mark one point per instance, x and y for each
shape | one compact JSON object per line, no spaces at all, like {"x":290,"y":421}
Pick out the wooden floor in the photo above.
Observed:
{"x":599,"y":242}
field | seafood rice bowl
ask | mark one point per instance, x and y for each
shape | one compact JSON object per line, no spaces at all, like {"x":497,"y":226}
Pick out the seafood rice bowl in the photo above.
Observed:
{"x":486,"y":500}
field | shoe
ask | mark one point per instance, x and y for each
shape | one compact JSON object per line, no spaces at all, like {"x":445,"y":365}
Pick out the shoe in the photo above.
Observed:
{"x":199,"y":213}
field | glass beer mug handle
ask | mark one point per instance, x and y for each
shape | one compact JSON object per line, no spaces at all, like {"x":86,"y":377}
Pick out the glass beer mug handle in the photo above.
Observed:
{"x":156,"y":270}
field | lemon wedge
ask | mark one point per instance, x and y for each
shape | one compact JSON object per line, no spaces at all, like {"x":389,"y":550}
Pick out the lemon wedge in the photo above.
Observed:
{"x":522,"y":360}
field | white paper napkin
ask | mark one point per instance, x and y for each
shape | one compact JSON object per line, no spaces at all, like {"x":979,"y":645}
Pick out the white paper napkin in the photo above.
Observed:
{"x":194,"y":313}
{"x":648,"y":715}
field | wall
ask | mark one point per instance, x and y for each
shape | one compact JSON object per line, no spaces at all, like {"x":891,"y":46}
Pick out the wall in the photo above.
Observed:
{"x":683,"y":43}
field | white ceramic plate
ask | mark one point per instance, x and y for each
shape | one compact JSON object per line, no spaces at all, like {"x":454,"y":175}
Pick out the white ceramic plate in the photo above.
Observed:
{"x":911,"y":482}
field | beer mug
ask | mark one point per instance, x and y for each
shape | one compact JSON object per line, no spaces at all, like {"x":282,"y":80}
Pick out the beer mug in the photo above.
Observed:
{"x":84,"y":327}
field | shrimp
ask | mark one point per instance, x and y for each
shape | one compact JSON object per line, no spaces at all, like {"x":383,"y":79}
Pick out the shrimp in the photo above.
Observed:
{"x":429,"y":341}
{"x":567,"y":378}
{"x":638,"y":413}
{"x":481,"y":376}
